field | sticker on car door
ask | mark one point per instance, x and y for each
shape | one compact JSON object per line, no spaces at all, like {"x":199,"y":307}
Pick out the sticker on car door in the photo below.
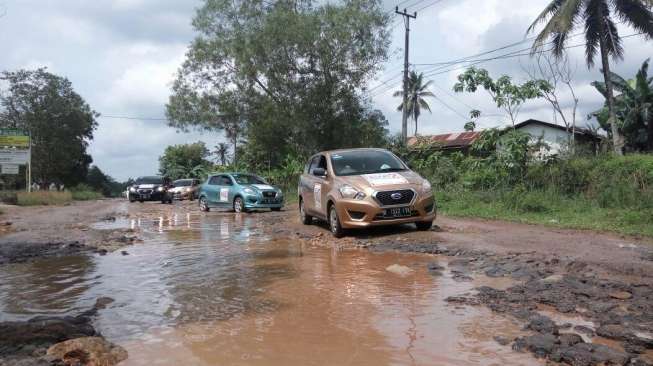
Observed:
{"x":224,"y":194}
{"x":317,"y":196}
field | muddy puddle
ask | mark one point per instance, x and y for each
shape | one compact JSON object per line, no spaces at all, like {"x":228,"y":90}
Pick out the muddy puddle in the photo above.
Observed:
{"x":217,"y":289}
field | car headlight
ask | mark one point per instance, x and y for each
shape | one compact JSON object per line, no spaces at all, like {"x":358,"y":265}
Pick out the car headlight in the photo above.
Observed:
{"x":426,"y":186}
{"x":132,"y":189}
{"x":160,"y":189}
{"x":249,"y":190}
{"x":347,"y":191}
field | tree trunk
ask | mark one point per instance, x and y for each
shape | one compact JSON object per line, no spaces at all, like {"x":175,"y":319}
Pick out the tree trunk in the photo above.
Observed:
{"x":415,"y":127}
{"x":235,"y":143}
{"x":617,"y":138}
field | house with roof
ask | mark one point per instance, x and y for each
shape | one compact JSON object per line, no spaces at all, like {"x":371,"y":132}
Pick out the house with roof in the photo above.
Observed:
{"x":555,"y":136}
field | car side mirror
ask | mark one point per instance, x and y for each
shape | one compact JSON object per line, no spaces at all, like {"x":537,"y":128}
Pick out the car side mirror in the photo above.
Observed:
{"x":319,"y":172}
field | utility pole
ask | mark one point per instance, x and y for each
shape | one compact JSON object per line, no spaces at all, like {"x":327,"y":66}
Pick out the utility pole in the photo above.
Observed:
{"x":404,"y":117}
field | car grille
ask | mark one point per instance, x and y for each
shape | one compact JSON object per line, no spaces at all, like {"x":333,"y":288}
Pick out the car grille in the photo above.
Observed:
{"x":144,"y":191}
{"x":401,"y":197}
{"x":269,"y":194}
{"x":381,"y":217}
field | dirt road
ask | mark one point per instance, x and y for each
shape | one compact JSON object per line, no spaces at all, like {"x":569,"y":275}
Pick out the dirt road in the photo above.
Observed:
{"x":568,"y":296}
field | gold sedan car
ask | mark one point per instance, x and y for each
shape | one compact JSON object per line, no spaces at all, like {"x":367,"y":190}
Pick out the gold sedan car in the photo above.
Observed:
{"x":357,"y":188}
{"x":185,"y":189}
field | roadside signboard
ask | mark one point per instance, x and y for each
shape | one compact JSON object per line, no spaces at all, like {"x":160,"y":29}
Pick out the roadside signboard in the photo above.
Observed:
{"x":14,"y":156}
{"x":15,"y":150}
{"x":9,"y":169}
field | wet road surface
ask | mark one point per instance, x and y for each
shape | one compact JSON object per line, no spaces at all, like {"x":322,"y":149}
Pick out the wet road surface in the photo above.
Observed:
{"x":217,"y":289}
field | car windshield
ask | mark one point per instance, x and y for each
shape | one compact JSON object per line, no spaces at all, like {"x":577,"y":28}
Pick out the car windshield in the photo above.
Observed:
{"x":365,"y":162}
{"x":149,"y":180}
{"x":248,"y":179}
{"x":183,"y":183}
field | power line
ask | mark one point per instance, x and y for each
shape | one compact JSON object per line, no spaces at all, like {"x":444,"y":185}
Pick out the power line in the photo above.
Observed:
{"x":449,"y":107}
{"x":472,"y":62}
{"x":429,"y":5}
{"x":134,"y":118}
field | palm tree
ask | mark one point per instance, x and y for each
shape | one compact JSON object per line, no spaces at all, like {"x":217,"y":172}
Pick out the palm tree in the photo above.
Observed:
{"x":222,"y":150}
{"x":416,"y":93}
{"x":633,"y":106}
{"x":597,"y":17}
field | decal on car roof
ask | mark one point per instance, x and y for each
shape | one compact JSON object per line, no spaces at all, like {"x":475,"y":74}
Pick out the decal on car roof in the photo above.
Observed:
{"x":381,"y":179}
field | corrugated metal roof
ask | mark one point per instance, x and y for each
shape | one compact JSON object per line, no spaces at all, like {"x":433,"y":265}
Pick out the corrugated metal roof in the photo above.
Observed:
{"x":449,"y":140}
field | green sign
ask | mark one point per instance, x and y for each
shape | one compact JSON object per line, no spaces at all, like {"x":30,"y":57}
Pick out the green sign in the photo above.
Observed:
{"x":14,"y":138}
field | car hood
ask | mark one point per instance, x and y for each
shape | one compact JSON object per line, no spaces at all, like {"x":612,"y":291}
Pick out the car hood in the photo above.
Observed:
{"x":383,"y":181}
{"x":146,"y":186}
{"x":180,"y":188}
{"x":262,"y":187}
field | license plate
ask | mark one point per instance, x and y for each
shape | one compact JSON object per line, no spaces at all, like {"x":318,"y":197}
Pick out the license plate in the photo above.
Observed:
{"x":145,"y":196}
{"x":397,"y":212}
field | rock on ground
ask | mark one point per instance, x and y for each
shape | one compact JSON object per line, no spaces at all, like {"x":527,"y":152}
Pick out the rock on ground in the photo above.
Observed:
{"x":399,"y":270}
{"x":88,"y":351}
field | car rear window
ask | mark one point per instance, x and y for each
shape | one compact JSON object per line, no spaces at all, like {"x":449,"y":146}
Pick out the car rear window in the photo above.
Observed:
{"x":365,"y":162}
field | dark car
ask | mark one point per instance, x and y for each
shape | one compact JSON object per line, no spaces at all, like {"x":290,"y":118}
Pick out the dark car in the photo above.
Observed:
{"x":151,"y":188}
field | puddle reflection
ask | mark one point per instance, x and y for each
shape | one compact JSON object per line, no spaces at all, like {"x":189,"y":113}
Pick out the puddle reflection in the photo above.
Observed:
{"x":214,"y":289}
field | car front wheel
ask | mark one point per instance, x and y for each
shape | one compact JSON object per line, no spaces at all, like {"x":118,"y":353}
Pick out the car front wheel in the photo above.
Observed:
{"x":204,"y":205}
{"x":239,"y":205}
{"x":334,"y":223}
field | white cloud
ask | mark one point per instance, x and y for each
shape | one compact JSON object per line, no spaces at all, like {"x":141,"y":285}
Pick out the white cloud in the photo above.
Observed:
{"x":121,"y":57}
{"x":455,"y":29}
{"x":147,"y":80}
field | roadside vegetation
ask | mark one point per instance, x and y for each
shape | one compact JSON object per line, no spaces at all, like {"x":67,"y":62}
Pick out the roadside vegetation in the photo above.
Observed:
{"x":50,"y":198}
{"x":604,"y":192}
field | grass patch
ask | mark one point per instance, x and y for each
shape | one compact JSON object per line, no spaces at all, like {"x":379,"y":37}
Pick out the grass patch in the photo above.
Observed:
{"x":51,"y":198}
{"x":290,"y":197}
{"x":86,"y":195}
{"x":547,"y":208}
{"x":43,"y":198}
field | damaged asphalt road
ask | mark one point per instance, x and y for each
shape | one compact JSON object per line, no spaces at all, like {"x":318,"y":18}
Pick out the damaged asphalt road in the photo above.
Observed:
{"x":582,"y":298}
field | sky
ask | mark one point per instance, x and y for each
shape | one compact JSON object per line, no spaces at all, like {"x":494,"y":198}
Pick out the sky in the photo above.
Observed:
{"x":121,"y":56}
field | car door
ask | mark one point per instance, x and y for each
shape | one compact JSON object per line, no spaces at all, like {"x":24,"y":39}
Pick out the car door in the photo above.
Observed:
{"x":211,"y":190}
{"x":225,"y":192}
{"x":316,"y":187}
{"x":306,"y":185}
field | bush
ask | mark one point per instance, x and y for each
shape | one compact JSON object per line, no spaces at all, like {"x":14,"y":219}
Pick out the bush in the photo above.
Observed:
{"x":86,"y":195}
{"x":84,"y":192}
{"x":42,"y":198}
{"x":8,"y":197}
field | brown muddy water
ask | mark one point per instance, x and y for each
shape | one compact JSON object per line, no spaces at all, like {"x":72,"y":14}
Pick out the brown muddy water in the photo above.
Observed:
{"x":218,"y":289}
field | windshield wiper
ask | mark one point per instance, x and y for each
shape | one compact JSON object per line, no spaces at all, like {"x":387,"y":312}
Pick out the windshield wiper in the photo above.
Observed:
{"x":391,"y":170}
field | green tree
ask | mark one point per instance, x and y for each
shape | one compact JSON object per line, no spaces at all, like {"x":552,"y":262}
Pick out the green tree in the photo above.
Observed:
{"x":101,"y":182}
{"x":633,"y":107}
{"x":601,"y":35}
{"x":58,"y":119}
{"x":470,"y":125}
{"x":505,"y":94}
{"x":222,"y":153}
{"x":296,"y":70}
{"x":185,"y":161}
{"x":417,"y":93}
